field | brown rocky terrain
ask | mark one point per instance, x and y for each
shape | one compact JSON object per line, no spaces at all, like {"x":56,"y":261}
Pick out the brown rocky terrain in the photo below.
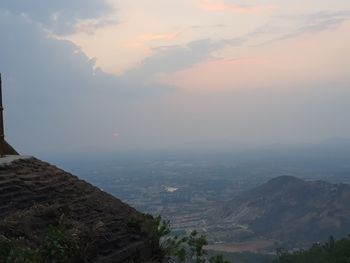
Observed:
{"x":35,"y":195}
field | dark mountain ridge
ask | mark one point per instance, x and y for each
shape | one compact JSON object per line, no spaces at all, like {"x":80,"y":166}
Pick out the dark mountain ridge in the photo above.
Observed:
{"x":292,"y":210}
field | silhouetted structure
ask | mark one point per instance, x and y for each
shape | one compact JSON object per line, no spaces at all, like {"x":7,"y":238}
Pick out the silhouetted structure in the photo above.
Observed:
{"x":5,"y":148}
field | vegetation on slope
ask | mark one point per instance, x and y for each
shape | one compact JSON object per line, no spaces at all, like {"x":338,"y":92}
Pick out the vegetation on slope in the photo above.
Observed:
{"x":60,"y":246}
{"x":331,"y":252}
{"x":57,"y":246}
{"x":172,"y":248}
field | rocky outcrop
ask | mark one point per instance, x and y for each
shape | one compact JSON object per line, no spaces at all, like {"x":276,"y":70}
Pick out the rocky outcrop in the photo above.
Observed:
{"x":35,"y":195}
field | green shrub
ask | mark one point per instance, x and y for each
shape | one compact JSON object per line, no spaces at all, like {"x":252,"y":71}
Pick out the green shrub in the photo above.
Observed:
{"x":5,"y":248}
{"x":187,"y":248}
{"x":12,"y":251}
{"x":58,"y":247}
{"x":21,"y":254}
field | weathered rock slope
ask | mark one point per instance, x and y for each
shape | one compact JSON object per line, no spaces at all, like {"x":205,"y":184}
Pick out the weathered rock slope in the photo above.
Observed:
{"x":35,"y":194}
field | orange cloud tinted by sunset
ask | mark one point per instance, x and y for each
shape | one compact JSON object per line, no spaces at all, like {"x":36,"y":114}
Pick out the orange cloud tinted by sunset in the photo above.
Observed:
{"x":222,"y":6}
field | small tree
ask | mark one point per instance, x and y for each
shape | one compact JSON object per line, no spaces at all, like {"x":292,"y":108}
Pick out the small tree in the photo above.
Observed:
{"x":188,"y":248}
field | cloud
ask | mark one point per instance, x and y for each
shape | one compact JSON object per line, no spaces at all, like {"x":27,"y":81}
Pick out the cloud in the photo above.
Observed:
{"x":303,"y":24}
{"x":57,"y":101}
{"x":166,"y":59}
{"x":59,"y":16}
{"x":209,"y":26}
{"x":146,"y":38}
{"x":89,"y":26}
{"x":55,"y":98}
{"x":324,"y":21}
{"x":222,"y":6}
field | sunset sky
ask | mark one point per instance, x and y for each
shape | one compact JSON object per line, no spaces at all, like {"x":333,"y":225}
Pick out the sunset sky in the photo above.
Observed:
{"x":101,"y":76}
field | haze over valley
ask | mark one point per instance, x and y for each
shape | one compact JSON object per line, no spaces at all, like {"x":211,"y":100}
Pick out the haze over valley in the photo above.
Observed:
{"x":222,"y":194}
{"x":229,"y":119}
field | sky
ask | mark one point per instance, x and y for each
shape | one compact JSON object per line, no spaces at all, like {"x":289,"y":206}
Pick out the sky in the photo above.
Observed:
{"x":140,"y":75}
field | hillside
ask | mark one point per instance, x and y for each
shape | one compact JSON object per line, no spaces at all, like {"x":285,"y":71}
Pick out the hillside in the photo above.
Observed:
{"x":35,"y":195}
{"x":292,"y":211}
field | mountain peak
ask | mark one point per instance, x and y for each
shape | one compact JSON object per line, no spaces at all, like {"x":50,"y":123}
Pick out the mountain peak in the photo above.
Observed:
{"x":290,"y":210}
{"x":285,"y":179}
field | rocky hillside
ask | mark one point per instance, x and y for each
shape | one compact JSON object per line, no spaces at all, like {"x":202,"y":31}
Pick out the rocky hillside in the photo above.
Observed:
{"x":35,"y":195}
{"x":291,"y":210}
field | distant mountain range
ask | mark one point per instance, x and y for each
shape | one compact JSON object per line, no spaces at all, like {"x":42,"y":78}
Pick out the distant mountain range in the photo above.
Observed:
{"x":292,"y":211}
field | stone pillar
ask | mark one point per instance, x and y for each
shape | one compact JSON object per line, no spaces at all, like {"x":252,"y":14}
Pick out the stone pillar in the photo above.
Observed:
{"x":2,"y":134}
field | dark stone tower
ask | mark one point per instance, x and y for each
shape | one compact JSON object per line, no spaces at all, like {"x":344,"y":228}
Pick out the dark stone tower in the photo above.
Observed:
{"x":5,"y":148}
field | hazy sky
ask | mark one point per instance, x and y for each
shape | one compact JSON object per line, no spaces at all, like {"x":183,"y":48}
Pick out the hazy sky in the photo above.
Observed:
{"x":101,"y":76}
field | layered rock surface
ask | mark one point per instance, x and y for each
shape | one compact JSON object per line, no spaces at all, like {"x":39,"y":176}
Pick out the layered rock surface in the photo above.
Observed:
{"x":35,"y":195}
